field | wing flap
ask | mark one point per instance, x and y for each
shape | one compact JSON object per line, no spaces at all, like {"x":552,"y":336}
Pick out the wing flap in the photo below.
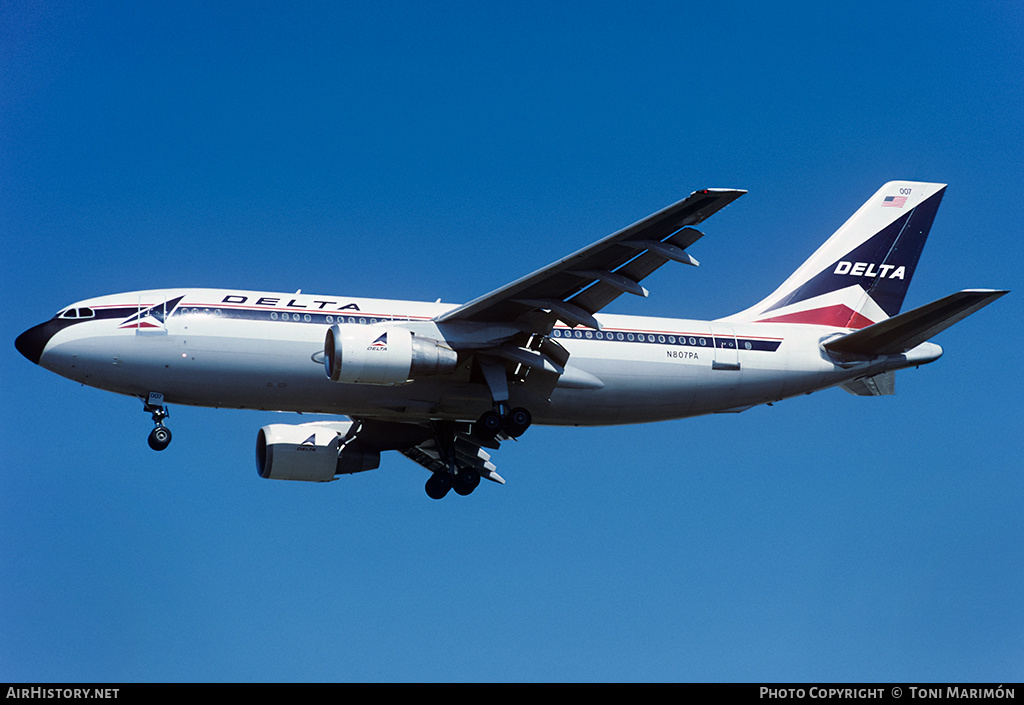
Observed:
{"x":602,"y":293}
{"x":468,"y":452}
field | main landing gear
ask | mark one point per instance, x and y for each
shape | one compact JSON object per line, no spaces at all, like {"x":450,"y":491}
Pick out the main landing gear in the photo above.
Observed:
{"x":160,"y":436}
{"x":459,"y":466}
{"x":441,"y":482}
{"x":460,"y":460}
{"x":513,"y":422}
{"x":452,"y":472}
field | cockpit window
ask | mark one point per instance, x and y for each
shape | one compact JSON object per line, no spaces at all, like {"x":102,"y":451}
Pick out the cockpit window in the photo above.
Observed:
{"x":76,"y":313}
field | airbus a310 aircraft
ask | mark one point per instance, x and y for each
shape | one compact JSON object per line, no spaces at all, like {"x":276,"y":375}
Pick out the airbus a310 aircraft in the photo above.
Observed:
{"x":441,"y":383}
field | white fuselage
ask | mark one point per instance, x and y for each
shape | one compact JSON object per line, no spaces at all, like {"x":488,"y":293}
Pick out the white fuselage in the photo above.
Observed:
{"x":259,"y":350}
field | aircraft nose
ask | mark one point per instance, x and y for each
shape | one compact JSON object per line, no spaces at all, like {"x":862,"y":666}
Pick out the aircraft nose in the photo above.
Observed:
{"x":32,"y":342}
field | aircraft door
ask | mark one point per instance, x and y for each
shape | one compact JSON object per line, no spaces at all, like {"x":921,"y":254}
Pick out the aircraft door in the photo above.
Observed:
{"x":726,"y":350}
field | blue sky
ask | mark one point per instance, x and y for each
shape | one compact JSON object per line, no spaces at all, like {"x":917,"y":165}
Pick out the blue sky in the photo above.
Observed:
{"x":438,"y":151}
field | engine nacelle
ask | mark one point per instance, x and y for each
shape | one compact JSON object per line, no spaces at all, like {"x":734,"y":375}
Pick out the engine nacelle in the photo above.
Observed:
{"x":360,"y":354}
{"x":311,"y":452}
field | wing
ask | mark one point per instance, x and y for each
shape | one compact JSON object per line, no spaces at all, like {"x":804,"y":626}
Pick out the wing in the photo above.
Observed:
{"x":576,"y":287}
{"x":504,"y":334}
{"x":444,"y":448}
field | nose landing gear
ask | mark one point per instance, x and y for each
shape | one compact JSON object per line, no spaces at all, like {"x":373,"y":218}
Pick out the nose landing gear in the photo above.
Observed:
{"x":160,"y":436}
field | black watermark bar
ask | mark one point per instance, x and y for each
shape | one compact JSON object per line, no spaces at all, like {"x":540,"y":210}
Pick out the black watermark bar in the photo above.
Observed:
{"x":812,"y":692}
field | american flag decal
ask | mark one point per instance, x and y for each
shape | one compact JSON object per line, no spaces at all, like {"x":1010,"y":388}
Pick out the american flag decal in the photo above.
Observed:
{"x":894,"y":201}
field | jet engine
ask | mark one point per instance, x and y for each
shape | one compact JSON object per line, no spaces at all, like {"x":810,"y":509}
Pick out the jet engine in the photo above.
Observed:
{"x":313,"y":452}
{"x":359,"y":354}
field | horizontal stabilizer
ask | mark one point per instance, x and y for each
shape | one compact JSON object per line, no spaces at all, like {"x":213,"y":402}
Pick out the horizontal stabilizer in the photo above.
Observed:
{"x":908,"y":330}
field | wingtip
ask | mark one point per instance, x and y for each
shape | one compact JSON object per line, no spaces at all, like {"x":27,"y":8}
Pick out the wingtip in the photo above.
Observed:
{"x":738,"y":191}
{"x":994,"y":293}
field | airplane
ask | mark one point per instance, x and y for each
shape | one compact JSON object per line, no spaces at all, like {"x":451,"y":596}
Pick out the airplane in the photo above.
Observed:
{"x":444,"y":383}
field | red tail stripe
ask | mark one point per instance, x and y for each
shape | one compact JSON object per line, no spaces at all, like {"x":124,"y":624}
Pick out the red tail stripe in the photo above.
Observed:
{"x":840,"y":315}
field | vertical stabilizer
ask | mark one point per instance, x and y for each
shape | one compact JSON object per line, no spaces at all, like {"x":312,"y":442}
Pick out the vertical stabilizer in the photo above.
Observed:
{"x":861,"y":274}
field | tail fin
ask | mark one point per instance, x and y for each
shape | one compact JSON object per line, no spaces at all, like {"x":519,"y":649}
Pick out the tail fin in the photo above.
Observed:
{"x":861,"y":274}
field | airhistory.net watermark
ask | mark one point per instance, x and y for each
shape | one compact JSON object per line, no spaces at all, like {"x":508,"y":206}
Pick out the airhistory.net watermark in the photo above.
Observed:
{"x":41,"y":693}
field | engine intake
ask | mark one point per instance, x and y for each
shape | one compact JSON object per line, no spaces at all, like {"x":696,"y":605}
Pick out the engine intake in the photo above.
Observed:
{"x":311,"y":452}
{"x":360,"y":354}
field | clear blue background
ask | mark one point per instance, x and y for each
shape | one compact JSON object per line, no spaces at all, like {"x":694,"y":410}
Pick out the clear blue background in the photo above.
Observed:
{"x":439,"y":150}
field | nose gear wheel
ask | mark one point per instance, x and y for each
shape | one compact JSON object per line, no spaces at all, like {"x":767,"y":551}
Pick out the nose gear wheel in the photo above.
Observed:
{"x":160,"y":436}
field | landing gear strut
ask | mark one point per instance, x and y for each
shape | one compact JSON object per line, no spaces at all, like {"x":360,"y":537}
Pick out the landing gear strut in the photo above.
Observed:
{"x":160,"y":436}
{"x":501,"y":417}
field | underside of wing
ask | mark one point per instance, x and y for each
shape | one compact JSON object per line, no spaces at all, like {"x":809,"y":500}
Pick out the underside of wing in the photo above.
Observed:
{"x":466,"y":452}
{"x":576,"y":287}
{"x":438,"y":446}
